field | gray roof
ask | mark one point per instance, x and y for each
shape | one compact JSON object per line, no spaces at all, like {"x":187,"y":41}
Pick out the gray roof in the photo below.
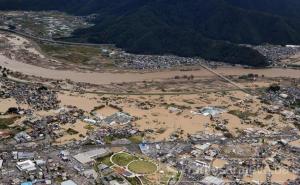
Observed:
{"x":25,"y":155}
{"x":68,"y":182}
{"x":212,"y":180}
{"x":89,"y":156}
{"x":119,"y":117}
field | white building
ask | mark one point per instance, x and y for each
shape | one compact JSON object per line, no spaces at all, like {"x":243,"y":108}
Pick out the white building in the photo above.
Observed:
{"x":89,"y":156}
{"x":27,"y":165}
{"x":68,"y":182}
{"x":212,"y":180}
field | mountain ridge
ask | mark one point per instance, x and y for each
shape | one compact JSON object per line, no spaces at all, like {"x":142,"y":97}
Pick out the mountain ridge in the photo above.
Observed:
{"x":211,"y":29}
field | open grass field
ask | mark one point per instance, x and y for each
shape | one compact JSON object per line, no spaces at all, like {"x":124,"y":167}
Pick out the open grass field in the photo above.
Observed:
{"x":123,"y":159}
{"x":104,"y":160}
{"x":137,"y":139}
{"x":84,"y":55}
{"x":142,"y":167}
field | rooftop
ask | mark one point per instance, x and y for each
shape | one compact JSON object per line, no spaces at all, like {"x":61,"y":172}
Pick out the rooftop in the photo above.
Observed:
{"x":89,"y":156}
{"x":68,"y":182}
{"x":212,"y":180}
{"x":27,"y":165}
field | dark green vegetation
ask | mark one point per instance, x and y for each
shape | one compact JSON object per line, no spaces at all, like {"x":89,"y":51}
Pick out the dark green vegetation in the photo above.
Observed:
{"x":137,"y":139}
{"x":108,"y":139}
{"x":134,"y":181}
{"x":72,"y":131}
{"x":211,"y":29}
{"x":5,"y":122}
{"x":242,"y":115}
{"x":296,"y":104}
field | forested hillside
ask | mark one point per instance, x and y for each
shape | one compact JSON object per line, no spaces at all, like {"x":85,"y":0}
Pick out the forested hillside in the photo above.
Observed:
{"x":211,"y":29}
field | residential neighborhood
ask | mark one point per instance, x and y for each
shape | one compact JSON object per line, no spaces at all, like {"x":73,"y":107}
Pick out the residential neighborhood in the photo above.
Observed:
{"x":81,"y":114}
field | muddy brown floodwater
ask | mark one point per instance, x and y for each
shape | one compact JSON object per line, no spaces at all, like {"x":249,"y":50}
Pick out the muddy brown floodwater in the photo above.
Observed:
{"x":107,"y":78}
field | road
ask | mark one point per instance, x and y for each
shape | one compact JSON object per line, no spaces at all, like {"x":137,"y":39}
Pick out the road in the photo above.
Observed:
{"x":32,"y":37}
{"x":226,"y":79}
{"x":5,"y":148}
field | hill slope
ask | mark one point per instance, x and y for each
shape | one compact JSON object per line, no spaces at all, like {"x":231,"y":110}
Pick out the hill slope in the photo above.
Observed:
{"x":210,"y":29}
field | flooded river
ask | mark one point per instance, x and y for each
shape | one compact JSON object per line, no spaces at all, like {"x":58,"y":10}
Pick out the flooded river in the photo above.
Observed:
{"x":107,"y":78}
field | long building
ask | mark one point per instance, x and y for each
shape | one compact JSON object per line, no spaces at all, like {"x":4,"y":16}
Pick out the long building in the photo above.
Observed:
{"x":90,"y":156}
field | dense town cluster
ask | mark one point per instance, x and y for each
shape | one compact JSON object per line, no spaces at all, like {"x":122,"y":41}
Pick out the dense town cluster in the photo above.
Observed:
{"x":39,"y":97}
{"x":33,"y":152}
{"x":285,"y":101}
{"x":62,"y":132}
{"x":44,"y":24}
{"x":155,"y":62}
{"x":276,"y":53}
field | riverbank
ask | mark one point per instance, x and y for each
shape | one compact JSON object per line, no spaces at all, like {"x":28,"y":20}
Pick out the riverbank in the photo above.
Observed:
{"x":107,"y":77}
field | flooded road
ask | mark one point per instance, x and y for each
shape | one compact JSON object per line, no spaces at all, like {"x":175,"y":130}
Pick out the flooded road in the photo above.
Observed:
{"x":107,"y":78}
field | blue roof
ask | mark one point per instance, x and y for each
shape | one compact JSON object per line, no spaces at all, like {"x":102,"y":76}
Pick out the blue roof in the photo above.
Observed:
{"x":144,"y":147}
{"x":26,"y":183}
